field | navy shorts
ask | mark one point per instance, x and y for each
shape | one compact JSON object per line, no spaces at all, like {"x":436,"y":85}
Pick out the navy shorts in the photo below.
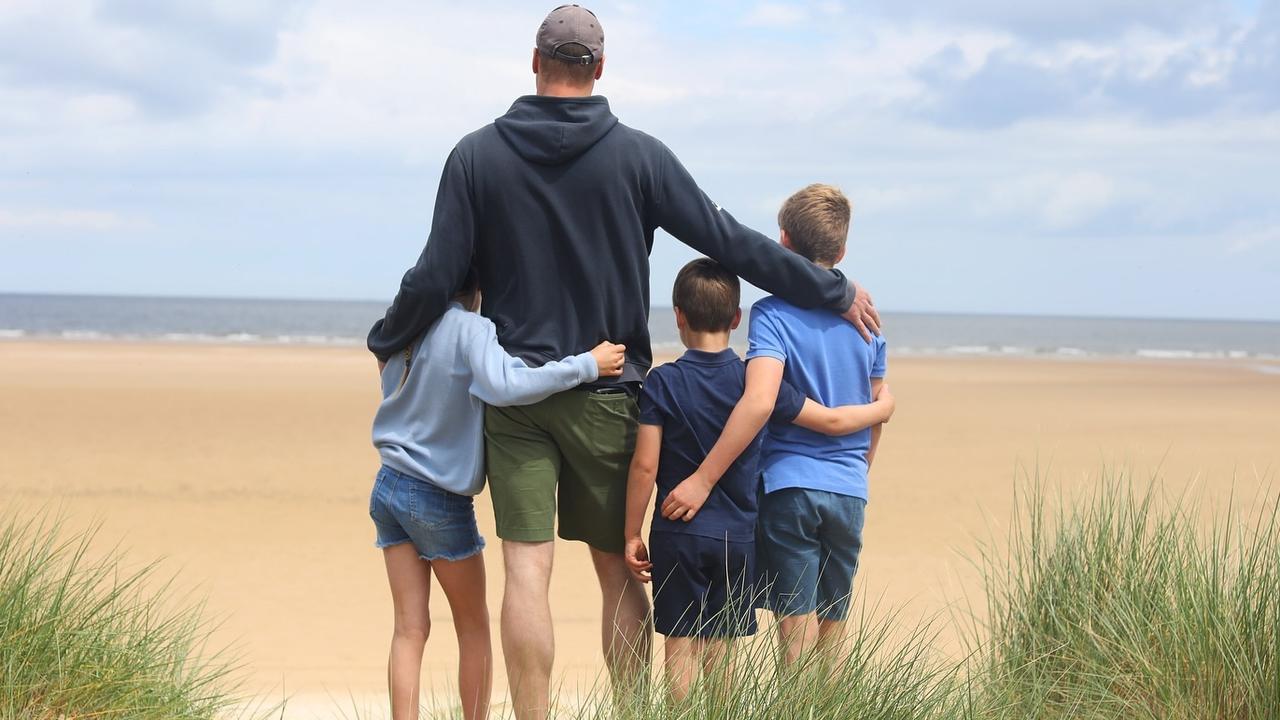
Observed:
{"x":809,"y":543}
{"x":702,"y":587}
{"x":440,"y":524}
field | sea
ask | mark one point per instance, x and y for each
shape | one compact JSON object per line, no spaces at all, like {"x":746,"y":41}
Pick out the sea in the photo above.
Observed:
{"x":345,"y":323}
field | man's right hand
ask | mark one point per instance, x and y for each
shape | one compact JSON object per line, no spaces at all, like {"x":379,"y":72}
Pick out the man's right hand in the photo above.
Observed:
{"x":862,"y":313}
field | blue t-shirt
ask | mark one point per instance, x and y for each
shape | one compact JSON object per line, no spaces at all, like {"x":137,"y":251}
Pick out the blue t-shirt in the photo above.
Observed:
{"x":826,"y":359}
{"x":691,"y":399}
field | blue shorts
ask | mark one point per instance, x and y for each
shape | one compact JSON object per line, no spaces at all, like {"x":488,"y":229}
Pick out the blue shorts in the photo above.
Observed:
{"x":440,"y":524}
{"x":702,"y":587}
{"x":809,"y":543}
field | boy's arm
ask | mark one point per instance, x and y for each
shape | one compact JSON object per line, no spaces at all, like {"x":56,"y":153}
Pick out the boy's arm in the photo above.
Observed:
{"x":640,"y":481}
{"x":499,"y":379}
{"x":878,"y":388}
{"x":764,"y":376}
{"x":848,"y":419}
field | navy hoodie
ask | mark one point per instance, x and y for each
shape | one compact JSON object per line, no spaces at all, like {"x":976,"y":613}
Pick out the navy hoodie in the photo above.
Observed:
{"x":556,"y":203}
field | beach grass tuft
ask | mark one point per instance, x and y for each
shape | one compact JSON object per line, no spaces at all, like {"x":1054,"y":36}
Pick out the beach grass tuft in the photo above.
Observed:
{"x":81,"y":639}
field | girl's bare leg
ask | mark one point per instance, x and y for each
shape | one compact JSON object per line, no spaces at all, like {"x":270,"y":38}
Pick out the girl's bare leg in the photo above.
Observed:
{"x":410,"y":579}
{"x":463,"y":584}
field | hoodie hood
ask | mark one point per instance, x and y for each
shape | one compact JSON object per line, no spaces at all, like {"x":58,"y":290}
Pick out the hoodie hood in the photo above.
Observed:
{"x":555,"y":130}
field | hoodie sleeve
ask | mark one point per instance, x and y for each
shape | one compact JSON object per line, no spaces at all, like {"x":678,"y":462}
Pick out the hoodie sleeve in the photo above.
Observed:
{"x":686,"y":212}
{"x":502,"y":380}
{"x":429,"y":285}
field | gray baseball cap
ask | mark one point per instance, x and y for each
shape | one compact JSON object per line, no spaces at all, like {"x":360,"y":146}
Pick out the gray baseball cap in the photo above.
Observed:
{"x":571,"y":24}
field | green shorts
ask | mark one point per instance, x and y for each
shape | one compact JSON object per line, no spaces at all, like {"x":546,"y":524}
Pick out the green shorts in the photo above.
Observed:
{"x":571,"y":453}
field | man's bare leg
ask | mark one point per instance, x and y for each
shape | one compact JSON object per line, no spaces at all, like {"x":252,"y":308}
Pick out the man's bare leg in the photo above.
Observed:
{"x":528,"y":639}
{"x":626,"y":630}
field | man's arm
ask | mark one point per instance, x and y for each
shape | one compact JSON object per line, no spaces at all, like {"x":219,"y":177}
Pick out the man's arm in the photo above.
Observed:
{"x":427,"y":288}
{"x":640,"y":481}
{"x":764,"y":376}
{"x":847,"y":419}
{"x":682,"y":209}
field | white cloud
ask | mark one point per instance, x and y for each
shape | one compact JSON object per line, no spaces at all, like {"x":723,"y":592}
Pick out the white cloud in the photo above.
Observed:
{"x":68,"y":219}
{"x":772,"y":15}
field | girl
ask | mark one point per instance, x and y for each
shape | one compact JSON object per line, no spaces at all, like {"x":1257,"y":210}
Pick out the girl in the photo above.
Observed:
{"x":429,"y":433}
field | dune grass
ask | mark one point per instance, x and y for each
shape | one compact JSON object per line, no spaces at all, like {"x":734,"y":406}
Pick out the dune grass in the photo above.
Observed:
{"x":1122,"y":604}
{"x":80,"y":640}
{"x":1132,"y":605}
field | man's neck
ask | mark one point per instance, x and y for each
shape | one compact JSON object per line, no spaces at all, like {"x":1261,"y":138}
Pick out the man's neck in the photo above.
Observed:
{"x":561,"y":90}
{"x":705,"y":341}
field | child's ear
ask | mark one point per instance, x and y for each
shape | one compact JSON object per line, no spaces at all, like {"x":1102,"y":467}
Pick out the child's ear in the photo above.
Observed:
{"x":737,"y":319}
{"x":786,"y":239}
{"x":680,"y":321}
{"x":840,"y":256}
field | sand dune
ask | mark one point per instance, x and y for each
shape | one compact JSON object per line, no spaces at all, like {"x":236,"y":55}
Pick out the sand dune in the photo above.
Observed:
{"x":248,"y":469}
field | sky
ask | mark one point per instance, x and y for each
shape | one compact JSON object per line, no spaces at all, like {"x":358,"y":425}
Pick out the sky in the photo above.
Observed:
{"x":1092,"y":157}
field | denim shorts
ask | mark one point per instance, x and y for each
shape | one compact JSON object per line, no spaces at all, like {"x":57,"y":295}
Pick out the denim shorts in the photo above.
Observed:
{"x":440,"y":524}
{"x":702,"y":587}
{"x":809,"y":542}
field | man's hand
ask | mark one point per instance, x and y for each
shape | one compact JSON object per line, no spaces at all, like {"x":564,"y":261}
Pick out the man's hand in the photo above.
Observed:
{"x":686,"y":499}
{"x":862,"y":313}
{"x":637,"y":557}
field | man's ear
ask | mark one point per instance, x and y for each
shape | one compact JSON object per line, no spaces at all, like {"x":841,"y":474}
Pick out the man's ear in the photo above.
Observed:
{"x":536,"y":59}
{"x":600,"y":67}
{"x":737,"y":319}
{"x":786,"y":239}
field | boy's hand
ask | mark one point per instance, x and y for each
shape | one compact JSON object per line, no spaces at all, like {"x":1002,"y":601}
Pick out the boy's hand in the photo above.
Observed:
{"x":884,"y":396}
{"x":610,"y":358}
{"x":637,"y":556}
{"x":686,"y":499}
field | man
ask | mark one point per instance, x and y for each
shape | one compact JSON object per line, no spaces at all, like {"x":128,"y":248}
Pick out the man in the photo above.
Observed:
{"x":556,"y":204}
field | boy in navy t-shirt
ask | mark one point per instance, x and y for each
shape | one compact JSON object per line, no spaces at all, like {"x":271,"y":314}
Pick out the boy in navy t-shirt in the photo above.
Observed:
{"x":702,"y":562}
{"x":811,"y":516}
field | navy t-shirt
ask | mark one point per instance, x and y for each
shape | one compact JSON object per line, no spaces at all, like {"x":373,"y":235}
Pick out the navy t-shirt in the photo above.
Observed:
{"x":691,"y":400}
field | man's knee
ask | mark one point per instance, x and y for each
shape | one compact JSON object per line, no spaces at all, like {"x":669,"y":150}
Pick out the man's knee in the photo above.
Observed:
{"x":527,"y":563}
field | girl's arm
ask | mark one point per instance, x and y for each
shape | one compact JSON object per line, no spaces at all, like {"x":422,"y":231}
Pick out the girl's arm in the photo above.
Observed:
{"x":499,"y":379}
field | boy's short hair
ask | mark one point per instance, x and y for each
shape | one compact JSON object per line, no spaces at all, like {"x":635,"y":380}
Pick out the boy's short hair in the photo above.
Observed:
{"x":707,"y":294}
{"x":817,"y":222}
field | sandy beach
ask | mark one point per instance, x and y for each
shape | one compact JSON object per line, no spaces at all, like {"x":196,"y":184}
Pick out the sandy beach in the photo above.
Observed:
{"x":247,"y":468}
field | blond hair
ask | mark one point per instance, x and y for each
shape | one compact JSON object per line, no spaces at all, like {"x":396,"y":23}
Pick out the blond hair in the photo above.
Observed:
{"x":816,"y":220}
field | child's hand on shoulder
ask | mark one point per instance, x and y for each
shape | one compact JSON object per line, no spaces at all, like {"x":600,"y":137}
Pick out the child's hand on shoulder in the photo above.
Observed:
{"x":637,"y":557}
{"x":610,"y":358}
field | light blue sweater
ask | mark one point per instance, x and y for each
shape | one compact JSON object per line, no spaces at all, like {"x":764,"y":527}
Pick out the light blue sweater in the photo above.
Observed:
{"x":431,"y":421}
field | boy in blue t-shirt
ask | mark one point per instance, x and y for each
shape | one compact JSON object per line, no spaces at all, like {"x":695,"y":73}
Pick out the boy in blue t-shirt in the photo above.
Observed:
{"x":703,"y":562}
{"x":811,"y":516}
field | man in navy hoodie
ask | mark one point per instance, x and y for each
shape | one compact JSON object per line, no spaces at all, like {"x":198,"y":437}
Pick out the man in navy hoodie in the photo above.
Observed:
{"x":555,"y":203}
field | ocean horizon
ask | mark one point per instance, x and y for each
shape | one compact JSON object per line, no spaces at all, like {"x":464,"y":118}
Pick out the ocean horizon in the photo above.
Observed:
{"x":345,"y":323}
